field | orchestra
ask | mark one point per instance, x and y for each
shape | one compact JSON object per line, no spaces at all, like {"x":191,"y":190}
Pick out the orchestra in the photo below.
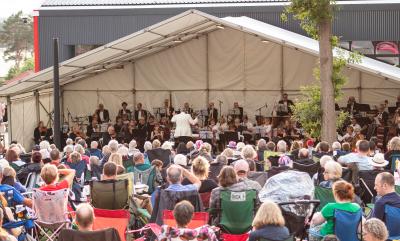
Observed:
{"x":219,"y":128}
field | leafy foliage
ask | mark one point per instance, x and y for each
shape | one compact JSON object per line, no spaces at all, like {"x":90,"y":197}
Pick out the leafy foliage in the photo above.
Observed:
{"x":15,"y":71}
{"x":17,"y":37}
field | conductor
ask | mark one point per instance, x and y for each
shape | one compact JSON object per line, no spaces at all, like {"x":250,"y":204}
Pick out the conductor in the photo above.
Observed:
{"x":183,"y":131}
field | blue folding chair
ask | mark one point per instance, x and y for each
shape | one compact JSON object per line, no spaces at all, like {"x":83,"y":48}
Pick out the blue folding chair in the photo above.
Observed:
{"x":28,"y":225}
{"x":392,"y":221}
{"x":346,"y":224}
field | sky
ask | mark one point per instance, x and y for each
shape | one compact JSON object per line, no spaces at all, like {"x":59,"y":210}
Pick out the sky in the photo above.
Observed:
{"x":8,"y":7}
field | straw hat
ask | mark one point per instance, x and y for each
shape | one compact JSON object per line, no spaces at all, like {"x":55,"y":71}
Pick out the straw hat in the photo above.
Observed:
{"x":378,"y":160}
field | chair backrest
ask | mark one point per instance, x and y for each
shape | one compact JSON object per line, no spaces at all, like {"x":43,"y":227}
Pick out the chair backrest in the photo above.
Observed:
{"x":346,"y":224}
{"x":199,"y":219}
{"x":291,"y":238}
{"x":324,"y":195}
{"x":109,"y":234}
{"x":392,"y":221}
{"x":130,"y":178}
{"x":237,"y":210}
{"x":235,"y":237}
{"x":118,"y":219}
{"x":145,"y":177}
{"x":109,"y":194}
{"x":311,"y":169}
{"x":160,"y":154}
{"x":205,"y":199}
{"x":393,"y":159}
{"x":33,"y":180}
{"x":367,"y":184}
{"x":50,"y":206}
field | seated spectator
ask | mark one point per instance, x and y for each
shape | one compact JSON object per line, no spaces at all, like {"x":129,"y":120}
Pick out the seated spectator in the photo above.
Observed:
{"x":200,"y":168}
{"x":385,"y":189}
{"x":323,"y":222}
{"x":181,"y":149}
{"x":180,"y":160}
{"x":9,"y":178}
{"x":361,"y":157}
{"x":206,"y":151}
{"x":372,"y":149}
{"x":34,"y":166}
{"x":14,"y":160}
{"x":16,"y":196}
{"x":83,"y":143}
{"x":67,"y":151}
{"x":81,"y":150}
{"x":175,"y":175}
{"x":109,"y":171}
{"x":374,"y":230}
{"x":303,"y":157}
{"x":284,"y":162}
{"x":145,"y":173}
{"x":55,"y":157}
{"x":261,"y":148}
{"x":95,"y":168}
{"x":322,"y":150}
{"x":183,"y":214}
{"x":393,"y":150}
{"x":76,"y":163}
{"x":319,"y":176}
{"x":45,"y":156}
{"x":50,"y":175}
{"x":132,"y":148}
{"x":332,"y":173}
{"x":242,"y":168}
{"x":117,"y":159}
{"x":94,"y":151}
{"x":336,"y":147}
{"x":269,"y":223}
{"x":378,"y":162}
{"x":216,"y":166}
{"x":84,"y":217}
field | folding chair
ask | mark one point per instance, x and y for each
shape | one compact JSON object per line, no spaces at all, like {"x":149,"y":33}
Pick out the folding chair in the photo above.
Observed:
{"x":50,"y":212}
{"x":33,"y":180}
{"x":117,"y":219}
{"x":311,"y":169}
{"x":205,"y":199}
{"x":109,"y":234}
{"x":130,"y":178}
{"x":234,"y":237}
{"x":237,"y":210}
{"x":291,"y":238}
{"x":392,"y":221}
{"x":160,"y":154}
{"x":346,"y":224}
{"x":109,"y":194}
{"x":324,"y":195}
{"x":199,"y":219}
{"x":393,"y":160}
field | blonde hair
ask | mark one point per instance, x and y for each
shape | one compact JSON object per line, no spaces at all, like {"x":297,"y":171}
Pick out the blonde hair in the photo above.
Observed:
{"x":116,"y":158}
{"x":333,"y":169}
{"x":200,"y":167}
{"x":248,"y":152}
{"x":269,"y":213}
{"x":9,"y":172}
{"x":228,"y":153}
{"x":75,"y":157}
{"x":394,"y":144}
{"x":49,"y":173}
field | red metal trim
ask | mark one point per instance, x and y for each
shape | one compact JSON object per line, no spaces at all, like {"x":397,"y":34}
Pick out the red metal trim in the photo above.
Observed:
{"x":36,"y":42}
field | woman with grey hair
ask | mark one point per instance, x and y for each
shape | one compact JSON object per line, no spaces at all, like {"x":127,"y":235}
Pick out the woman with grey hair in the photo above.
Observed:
{"x":374,"y":230}
{"x":393,"y":150}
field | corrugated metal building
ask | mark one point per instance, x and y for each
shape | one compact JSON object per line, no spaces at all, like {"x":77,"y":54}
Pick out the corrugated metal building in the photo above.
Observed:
{"x":91,"y":23}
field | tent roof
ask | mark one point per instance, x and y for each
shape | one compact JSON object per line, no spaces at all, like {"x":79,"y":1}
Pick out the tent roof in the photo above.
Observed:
{"x":167,"y":34}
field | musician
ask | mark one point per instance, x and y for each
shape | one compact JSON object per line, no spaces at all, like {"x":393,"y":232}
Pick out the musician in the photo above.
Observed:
{"x":237,"y":126}
{"x":222,"y":124}
{"x":40,"y":133}
{"x":76,"y":132}
{"x":140,"y":112}
{"x":354,"y":124}
{"x":187,"y":109}
{"x":247,"y":124}
{"x":352,"y":107}
{"x":129,"y":131}
{"x":157,"y":133}
{"x":109,"y":135}
{"x":212,"y":113}
{"x":183,"y":123}
{"x":102,"y":114}
{"x":124,"y":110}
{"x":348,"y":137}
{"x":168,"y":109}
{"x":166,"y":128}
{"x":268,"y":127}
{"x":118,"y":124}
{"x":93,"y":127}
{"x":236,"y":107}
{"x":142,"y":131}
{"x":382,"y":116}
{"x":150,"y":125}
{"x":288,"y":105}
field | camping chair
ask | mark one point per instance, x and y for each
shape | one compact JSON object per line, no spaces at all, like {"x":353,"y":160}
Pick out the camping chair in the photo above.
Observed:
{"x":130,"y":178}
{"x":109,"y":194}
{"x":311,"y":169}
{"x":117,"y":219}
{"x":33,"y":180}
{"x":234,"y":237}
{"x":346,"y":224}
{"x":27,"y":224}
{"x":205,"y":199}
{"x":392,"y":220}
{"x":237,"y":210}
{"x":160,"y":154}
{"x":50,"y":212}
{"x":109,"y":234}
{"x":367,"y":184}
{"x":393,"y":160}
{"x":297,"y":215}
{"x":324,"y":195}
{"x":199,"y":219}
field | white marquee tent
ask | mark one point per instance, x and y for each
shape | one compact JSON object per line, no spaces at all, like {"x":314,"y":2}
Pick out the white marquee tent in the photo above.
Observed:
{"x":192,"y":57}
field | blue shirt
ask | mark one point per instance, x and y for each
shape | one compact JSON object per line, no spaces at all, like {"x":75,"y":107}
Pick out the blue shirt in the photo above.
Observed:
{"x":270,"y":232}
{"x":182,"y":188}
{"x":12,"y":195}
{"x":392,"y":199}
{"x":363,"y":162}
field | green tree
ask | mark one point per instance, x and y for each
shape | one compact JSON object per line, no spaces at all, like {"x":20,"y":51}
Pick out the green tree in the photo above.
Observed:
{"x":317,"y":111}
{"x":17,"y":38}
{"x":28,"y":64}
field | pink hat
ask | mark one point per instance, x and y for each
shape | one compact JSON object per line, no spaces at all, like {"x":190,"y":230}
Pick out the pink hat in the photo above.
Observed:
{"x":310,"y":143}
{"x":198,"y":144}
{"x":232,"y":145}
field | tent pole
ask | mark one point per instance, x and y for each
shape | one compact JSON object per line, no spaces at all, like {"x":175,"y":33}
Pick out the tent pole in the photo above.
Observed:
{"x":282,"y":69}
{"x":9,"y":127}
{"x":134,"y":86}
{"x":56,"y":96}
{"x":37,"y":105}
{"x":360,"y":87}
{"x":208,"y":76}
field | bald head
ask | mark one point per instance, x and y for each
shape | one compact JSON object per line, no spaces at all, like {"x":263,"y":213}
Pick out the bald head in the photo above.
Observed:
{"x":84,"y":217}
{"x":174,"y":174}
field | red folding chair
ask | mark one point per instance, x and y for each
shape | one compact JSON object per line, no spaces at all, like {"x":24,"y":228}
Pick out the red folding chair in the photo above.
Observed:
{"x":205,"y":199}
{"x":234,"y":237}
{"x":199,"y":219}
{"x":118,"y":219}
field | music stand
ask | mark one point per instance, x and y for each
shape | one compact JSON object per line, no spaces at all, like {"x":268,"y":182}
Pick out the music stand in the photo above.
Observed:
{"x":261,"y":130}
{"x":363,"y":107}
{"x":206,"y":135}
